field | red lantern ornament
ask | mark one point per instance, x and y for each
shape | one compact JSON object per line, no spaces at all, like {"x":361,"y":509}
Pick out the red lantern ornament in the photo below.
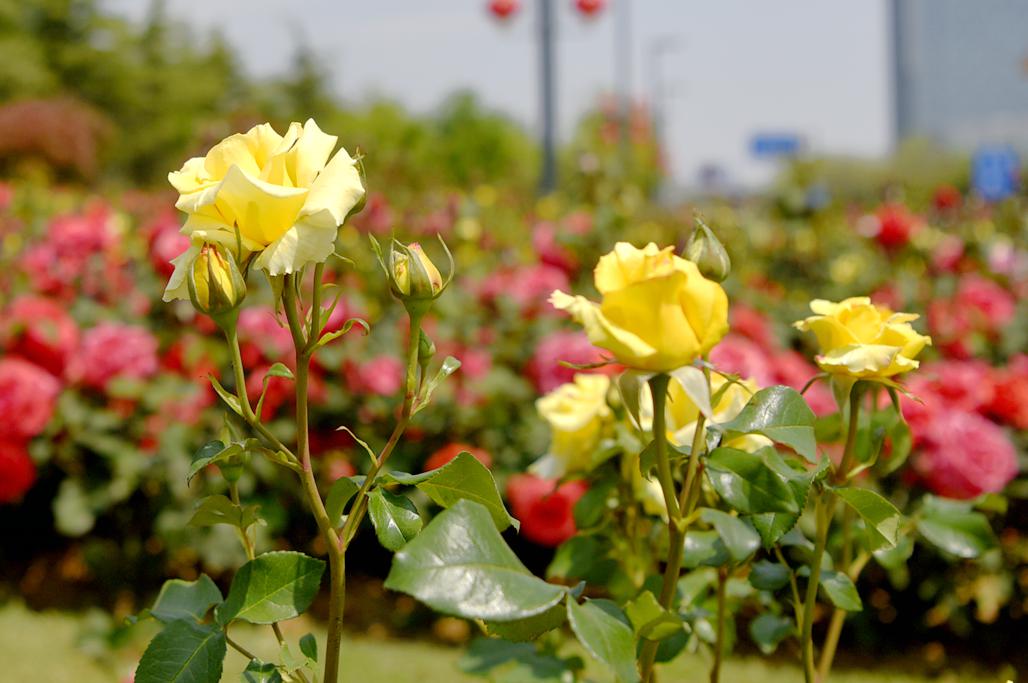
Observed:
{"x":504,"y":9}
{"x":589,"y":8}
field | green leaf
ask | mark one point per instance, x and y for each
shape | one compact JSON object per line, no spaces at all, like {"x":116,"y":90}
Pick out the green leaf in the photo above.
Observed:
{"x":506,"y":662}
{"x":218,"y":509}
{"x":342,"y":490}
{"x":181,"y":599}
{"x":276,"y":370}
{"x":630,"y":384}
{"x":206,"y":455}
{"x":747,"y":484}
{"x":395,"y":518}
{"x":881,"y":518}
{"x":840,"y":590}
{"x":261,"y":672}
{"x":582,"y":557}
{"x":361,"y":442}
{"x":184,"y":652}
{"x":461,"y":565}
{"x":524,"y":630}
{"x":649,"y":620}
{"x":769,"y":576}
{"x":309,"y":647}
{"x":780,"y":414}
{"x":606,"y":635}
{"x":772,"y":526}
{"x":590,"y":508}
{"x":462,"y":478}
{"x":272,"y":587}
{"x":739,"y":538}
{"x":704,"y":547}
{"x":230,"y":400}
{"x":450,"y":365}
{"x":896,"y":556}
{"x":768,"y":630}
{"x":955,"y":528}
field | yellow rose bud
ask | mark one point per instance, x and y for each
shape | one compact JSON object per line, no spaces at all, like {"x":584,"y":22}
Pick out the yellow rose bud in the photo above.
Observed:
{"x":414,"y":274}
{"x":282,"y":197}
{"x":579,"y":416}
{"x":860,"y":340}
{"x":658,"y":312}
{"x":216,"y":286}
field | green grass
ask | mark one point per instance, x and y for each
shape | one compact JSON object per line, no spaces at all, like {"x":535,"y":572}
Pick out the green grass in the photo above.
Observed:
{"x":49,"y":646}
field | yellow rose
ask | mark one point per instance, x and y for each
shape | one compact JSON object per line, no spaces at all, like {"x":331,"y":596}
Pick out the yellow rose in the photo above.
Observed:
{"x":286,"y":195}
{"x":578,"y":415}
{"x":658,"y":312}
{"x":863,"y":341}
{"x":682,"y":413}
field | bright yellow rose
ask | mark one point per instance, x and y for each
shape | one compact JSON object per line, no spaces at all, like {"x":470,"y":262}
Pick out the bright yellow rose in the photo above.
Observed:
{"x":578,"y":415}
{"x":286,"y":195}
{"x":658,"y":312}
{"x":863,"y":341}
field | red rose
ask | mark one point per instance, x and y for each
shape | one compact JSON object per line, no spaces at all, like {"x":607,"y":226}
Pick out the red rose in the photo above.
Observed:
{"x":382,"y":375}
{"x":27,"y":398}
{"x":41,"y":331}
{"x":1010,"y":399}
{"x":964,"y":455}
{"x":545,"y":367}
{"x":544,"y":509}
{"x":550,"y":250}
{"x":946,"y":198}
{"x":262,"y":339}
{"x":280,"y":389}
{"x":17,"y":471}
{"x":751,"y":323}
{"x":895,"y":225}
{"x":451,"y":451}
{"x":111,"y":351}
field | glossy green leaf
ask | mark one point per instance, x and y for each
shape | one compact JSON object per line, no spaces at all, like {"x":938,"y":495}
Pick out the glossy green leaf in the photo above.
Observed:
{"x":181,"y":599}
{"x":218,"y":509}
{"x":341,"y":492}
{"x":461,"y":565}
{"x":261,"y":672}
{"x":840,"y":590}
{"x":450,"y":365}
{"x":463,"y":478}
{"x":772,"y":526}
{"x":606,"y":635}
{"x":896,"y":556}
{"x":769,"y":576}
{"x":272,"y":587}
{"x":530,"y":628}
{"x":739,"y":538}
{"x":395,"y":518}
{"x":881,"y":518}
{"x":768,"y":630}
{"x":309,"y":647}
{"x":230,"y":399}
{"x":210,"y":453}
{"x":955,"y":528}
{"x":747,"y":483}
{"x":582,"y":557}
{"x":704,"y":548}
{"x":649,"y":620}
{"x":780,"y":414}
{"x":507,"y":662}
{"x":184,"y":652}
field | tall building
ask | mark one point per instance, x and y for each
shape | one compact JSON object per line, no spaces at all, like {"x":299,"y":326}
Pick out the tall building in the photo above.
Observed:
{"x":961,"y":71}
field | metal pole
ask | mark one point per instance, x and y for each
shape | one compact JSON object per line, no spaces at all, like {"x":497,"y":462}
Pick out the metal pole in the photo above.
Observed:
{"x":547,"y":64}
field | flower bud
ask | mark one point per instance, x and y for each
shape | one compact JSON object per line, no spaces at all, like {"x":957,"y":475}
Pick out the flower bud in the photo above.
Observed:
{"x":426,"y":349}
{"x":413,"y":278}
{"x":216,"y":286}
{"x":706,"y":251}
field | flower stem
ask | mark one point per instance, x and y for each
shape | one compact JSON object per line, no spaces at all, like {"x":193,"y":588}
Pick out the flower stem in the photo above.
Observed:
{"x":337,"y":560}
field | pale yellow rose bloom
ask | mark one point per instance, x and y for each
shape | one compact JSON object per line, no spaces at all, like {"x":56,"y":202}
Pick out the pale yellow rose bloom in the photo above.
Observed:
{"x":658,"y":312}
{"x":286,"y":194}
{"x":579,"y":417}
{"x":860,"y":340}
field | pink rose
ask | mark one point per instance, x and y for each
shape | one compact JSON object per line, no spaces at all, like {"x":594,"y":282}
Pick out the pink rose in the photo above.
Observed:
{"x":382,"y":376}
{"x":262,"y":339}
{"x":546,"y":510}
{"x":741,"y":356}
{"x":17,"y":471}
{"x":550,"y":250}
{"x":751,"y":323}
{"x":989,"y":306}
{"x":41,"y":331}
{"x":166,"y":242}
{"x":28,"y":395}
{"x":112,"y":351}
{"x":545,"y":367}
{"x":964,"y":385}
{"x":964,"y":455}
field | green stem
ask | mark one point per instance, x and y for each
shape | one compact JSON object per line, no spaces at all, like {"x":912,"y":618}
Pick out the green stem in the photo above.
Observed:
{"x":824,"y":510}
{"x":251,"y":418}
{"x":337,"y":560}
{"x":719,"y":643}
{"x":410,"y":391}
{"x":676,"y":536}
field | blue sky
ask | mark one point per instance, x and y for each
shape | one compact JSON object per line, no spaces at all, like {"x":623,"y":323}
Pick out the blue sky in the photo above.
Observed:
{"x":816,"y":67}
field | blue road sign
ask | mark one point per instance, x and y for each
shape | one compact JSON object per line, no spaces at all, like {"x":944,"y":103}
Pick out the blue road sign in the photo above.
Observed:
{"x":995,"y":172}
